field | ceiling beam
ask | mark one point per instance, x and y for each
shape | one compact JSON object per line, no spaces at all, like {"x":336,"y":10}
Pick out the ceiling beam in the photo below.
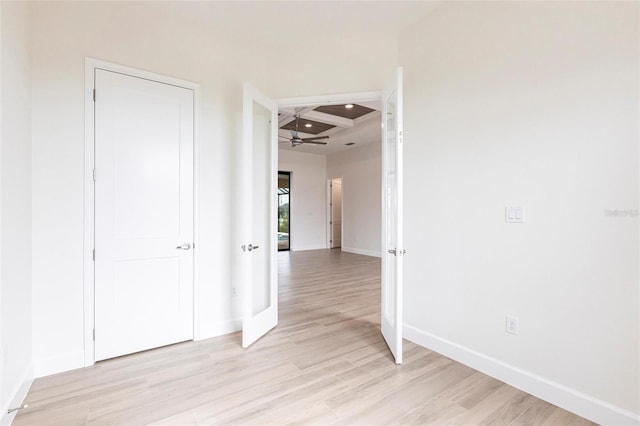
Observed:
{"x":288,"y":114}
{"x":328,"y":118}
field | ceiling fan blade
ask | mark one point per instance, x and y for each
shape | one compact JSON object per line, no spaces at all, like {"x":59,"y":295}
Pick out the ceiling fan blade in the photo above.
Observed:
{"x":312,"y":139}
{"x":315,"y":143}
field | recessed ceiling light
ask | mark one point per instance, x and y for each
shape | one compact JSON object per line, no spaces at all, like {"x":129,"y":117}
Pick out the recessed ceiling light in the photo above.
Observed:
{"x":348,"y":106}
{"x":308,"y":125}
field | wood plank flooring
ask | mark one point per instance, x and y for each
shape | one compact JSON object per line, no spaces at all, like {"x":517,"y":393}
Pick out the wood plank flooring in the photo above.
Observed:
{"x":326,"y":363}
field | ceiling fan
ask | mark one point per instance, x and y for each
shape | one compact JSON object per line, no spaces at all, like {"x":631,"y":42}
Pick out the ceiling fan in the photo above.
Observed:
{"x":296,"y":140}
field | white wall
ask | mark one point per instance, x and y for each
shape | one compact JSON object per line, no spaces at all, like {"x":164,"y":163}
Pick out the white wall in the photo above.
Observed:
{"x":308,"y":202}
{"x":152,"y":37}
{"x":15,"y":204}
{"x":534,"y":104}
{"x":360,"y":168}
{"x":131,"y":34}
{"x":506,"y":103}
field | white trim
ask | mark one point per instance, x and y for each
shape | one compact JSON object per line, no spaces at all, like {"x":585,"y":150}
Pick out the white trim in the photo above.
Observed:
{"x":563,"y":396}
{"x":363,"y":252}
{"x":19,"y":394}
{"x":329,"y":99}
{"x":59,"y":363}
{"x":89,"y":214}
{"x":1,"y":339}
{"x":196,"y":211}
{"x":220,"y":328}
{"x":309,"y":247}
{"x":327,"y":214}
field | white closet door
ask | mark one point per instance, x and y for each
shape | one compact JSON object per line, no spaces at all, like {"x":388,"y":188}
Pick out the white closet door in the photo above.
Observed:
{"x":144,"y":135}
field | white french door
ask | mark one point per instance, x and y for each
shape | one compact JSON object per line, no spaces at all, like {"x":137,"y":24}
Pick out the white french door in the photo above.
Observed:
{"x":392,"y":242}
{"x":144,"y":137}
{"x":259,"y":215}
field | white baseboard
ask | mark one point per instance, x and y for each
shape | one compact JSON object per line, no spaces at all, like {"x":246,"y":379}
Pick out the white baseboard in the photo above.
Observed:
{"x":563,"y":396}
{"x":17,"y":396}
{"x":220,"y":328}
{"x":363,"y":252}
{"x":310,"y":247}
{"x":58,"y":364}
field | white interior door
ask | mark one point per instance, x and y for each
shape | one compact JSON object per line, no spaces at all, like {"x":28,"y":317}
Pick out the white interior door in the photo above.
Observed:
{"x":336,"y":213}
{"x":144,"y":136}
{"x":392,"y":244}
{"x":259,"y":215}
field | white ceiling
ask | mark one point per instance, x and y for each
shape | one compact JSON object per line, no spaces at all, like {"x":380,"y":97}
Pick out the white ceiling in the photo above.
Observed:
{"x":288,"y":25}
{"x":294,"y":23}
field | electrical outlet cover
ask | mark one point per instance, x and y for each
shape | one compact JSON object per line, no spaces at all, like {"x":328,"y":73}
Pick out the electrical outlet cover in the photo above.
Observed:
{"x":511,"y":325}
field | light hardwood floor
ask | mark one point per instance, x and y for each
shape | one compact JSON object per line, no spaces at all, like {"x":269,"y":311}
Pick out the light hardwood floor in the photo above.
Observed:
{"x":325,"y":363}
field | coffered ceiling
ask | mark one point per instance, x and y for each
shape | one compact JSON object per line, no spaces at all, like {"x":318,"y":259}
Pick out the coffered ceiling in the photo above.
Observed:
{"x":347,"y":126}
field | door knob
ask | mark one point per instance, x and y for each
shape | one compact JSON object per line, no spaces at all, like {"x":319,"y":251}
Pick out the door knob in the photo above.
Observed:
{"x":185,"y":246}
{"x":392,"y":251}
{"x":250,"y":247}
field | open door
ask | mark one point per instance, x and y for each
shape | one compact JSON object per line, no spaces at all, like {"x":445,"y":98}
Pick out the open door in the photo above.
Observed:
{"x":392,"y":244}
{"x":259,"y":215}
{"x":335,"y":220}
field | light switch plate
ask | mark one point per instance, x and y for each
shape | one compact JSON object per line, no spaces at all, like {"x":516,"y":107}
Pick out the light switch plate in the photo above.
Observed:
{"x":514,"y":214}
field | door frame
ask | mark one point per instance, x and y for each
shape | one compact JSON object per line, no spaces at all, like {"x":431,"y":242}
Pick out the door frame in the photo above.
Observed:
{"x":90,"y":65}
{"x":289,"y":173}
{"x":329,"y":210}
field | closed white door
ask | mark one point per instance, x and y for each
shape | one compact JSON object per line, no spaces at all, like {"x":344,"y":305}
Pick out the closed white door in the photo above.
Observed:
{"x":144,"y":133}
{"x":392,"y":241}
{"x":336,"y":213}
{"x":259,"y":215}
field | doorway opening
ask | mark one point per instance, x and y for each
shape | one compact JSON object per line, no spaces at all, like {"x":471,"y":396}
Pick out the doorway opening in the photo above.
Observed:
{"x":284,"y":211}
{"x":335,"y":213}
{"x":337,"y":112}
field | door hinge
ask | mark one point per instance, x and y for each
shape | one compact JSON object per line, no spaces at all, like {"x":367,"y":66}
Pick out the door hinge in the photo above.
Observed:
{"x":94,"y":334}
{"x":94,"y":175}
{"x":94,"y":255}
{"x":94,"y":95}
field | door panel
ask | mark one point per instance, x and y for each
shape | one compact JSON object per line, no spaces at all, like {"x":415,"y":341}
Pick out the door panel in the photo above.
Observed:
{"x":143,"y":211}
{"x":259,"y":216}
{"x":392,"y":246}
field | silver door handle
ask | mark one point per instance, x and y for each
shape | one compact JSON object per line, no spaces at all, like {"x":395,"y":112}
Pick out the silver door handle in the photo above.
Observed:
{"x":185,"y":246}
{"x":250,"y":247}
{"x":394,"y":252}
